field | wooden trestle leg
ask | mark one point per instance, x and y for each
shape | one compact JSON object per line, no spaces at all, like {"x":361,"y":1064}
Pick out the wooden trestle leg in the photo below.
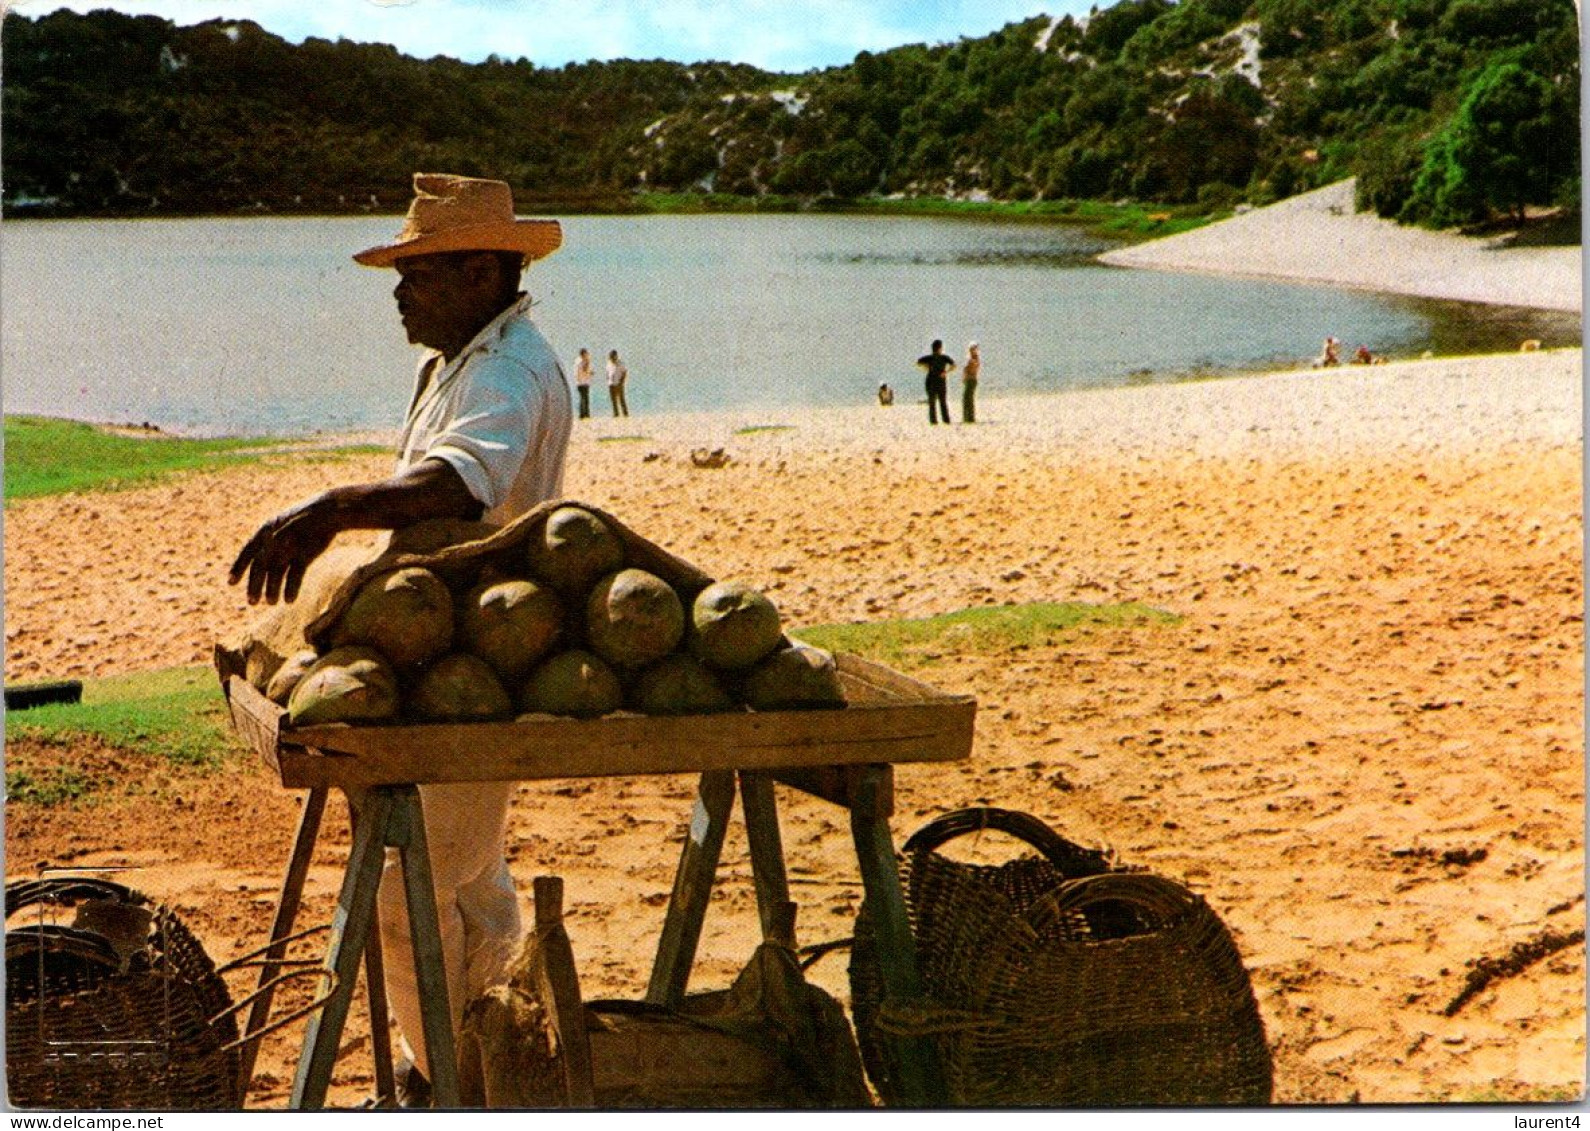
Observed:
{"x":687,"y":907}
{"x":436,"y":1018}
{"x":388,"y":815}
{"x":921,"y":1082}
{"x":767,"y":855}
{"x":287,"y":905}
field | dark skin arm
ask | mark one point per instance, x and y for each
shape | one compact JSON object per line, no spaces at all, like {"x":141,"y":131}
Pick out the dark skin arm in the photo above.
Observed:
{"x":276,"y":557}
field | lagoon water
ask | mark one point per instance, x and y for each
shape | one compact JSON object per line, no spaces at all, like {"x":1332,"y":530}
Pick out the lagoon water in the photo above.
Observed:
{"x":264,"y":326}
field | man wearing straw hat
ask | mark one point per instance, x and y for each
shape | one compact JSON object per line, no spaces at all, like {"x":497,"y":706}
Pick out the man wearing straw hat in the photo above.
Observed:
{"x":485,"y":438}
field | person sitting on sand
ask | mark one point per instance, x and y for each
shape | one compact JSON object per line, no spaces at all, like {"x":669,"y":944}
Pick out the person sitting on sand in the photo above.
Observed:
{"x":885,"y":394}
{"x":1363,"y":356}
{"x":1330,"y":355}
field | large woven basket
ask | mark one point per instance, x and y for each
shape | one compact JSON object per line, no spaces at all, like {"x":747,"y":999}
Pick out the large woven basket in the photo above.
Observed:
{"x":1062,"y":980}
{"x":120,"y":1009}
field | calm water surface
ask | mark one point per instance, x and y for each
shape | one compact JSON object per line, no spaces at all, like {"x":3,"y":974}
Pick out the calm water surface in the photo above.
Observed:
{"x":265,"y":326}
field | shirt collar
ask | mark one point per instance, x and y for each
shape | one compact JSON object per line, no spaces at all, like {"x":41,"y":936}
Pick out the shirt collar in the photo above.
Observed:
{"x":493,"y":331}
{"x":440,"y":371}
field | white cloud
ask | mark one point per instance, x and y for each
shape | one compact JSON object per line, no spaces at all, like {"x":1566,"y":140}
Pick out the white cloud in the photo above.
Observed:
{"x":774,"y":34}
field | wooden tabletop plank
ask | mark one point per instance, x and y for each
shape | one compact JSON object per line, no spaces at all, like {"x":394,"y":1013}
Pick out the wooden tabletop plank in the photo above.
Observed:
{"x":891,"y":718}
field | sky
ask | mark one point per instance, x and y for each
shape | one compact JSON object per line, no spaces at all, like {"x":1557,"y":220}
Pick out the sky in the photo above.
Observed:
{"x":777,"y":35}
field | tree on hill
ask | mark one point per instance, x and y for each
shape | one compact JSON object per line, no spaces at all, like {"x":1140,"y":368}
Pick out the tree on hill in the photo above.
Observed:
{"x":1502,"y":150}
{"x":1443,"y":108}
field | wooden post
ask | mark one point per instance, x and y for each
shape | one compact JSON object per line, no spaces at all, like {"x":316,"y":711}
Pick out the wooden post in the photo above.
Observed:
{"x":350,"y":931}
{"x":921,"y":1082}
{"x":767,"y":851}
{"x":380,"y":1034}
{"x":687,"y":906}
{"x":407,"y":834}
{"x":559,"y":984}
{"x":287,"y":905}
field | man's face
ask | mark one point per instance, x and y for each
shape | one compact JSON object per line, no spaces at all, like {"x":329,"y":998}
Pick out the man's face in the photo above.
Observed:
{"x":441,"y":298}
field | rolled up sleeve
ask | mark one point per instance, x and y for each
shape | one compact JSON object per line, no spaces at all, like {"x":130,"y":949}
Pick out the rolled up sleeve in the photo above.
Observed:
{"x":490,"y":429}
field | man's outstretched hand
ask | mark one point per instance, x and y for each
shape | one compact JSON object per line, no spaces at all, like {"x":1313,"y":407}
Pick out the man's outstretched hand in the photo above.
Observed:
{"x":276,"y":557}
{"x":280,"y":551}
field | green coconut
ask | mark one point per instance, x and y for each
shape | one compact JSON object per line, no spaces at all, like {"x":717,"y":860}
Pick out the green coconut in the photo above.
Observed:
{"x":733,"y":626}
{"x":679,"y":684}
{"x":574,"y":548}
{"x":575,"y":682}
{"x":459,"y":688}
{"x":794,"y":677}
{"x":511,"y":625}
{"x":633,"y":618}
{"x":281,"y":685}
{"x":407,"y":614}
{"x":352,"y":684}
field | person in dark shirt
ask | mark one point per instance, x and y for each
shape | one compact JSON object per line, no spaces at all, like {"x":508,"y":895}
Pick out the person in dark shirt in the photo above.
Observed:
{"x":937,"y":363}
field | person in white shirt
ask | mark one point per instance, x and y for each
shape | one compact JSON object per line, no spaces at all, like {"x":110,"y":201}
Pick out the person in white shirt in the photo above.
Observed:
{"x":486,"y":438}
{"x":971,"y":370}
{"x":617,"y":378}
{"x":582,"y":381}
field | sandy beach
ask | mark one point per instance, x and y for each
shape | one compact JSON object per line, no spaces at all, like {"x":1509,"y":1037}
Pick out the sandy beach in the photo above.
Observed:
{"x":1362,"y":740}
{"x":1317,"y":237}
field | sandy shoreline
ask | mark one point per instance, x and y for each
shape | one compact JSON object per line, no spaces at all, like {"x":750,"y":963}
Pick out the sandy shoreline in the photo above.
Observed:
{"x":1317,"y":237}
{"x":1362,"y":741}
{"x":168,"y":594}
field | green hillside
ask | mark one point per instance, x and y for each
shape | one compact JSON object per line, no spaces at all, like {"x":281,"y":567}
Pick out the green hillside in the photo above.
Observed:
{"x":1450,"y":112}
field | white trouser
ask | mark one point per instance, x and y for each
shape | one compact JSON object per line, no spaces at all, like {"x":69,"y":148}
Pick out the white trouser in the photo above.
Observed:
{"x":476,"y":907}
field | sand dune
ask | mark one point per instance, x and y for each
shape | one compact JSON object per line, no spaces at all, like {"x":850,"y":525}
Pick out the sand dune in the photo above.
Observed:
{"x":1317,"y":237}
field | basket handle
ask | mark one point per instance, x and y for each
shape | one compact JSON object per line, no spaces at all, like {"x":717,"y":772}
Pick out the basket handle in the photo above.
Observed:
{"x":1023,"y":826}
{"x":1162,"y":899}
{"x":25,"y":892}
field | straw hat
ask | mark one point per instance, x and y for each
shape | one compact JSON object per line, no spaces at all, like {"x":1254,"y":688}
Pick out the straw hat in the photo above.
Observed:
{"x":451,"y":213}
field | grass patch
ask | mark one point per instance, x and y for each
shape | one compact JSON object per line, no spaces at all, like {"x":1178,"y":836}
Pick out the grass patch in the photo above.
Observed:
{"x":908,"y":644}
{"x":1531,"y":1094}
{"x":676,"y":203}
{"x":46,"y":786}
{"x":1122,"y":221}
{"x":175,"y":714}
{"x":622,"y":439}
{"x":46,"y":456}
{"x":752,"y":429}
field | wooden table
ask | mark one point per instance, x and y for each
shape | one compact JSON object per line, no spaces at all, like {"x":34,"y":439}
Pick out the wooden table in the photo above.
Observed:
{"x":846,"y":757}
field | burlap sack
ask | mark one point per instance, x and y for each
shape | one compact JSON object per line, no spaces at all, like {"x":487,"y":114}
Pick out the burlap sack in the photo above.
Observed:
{"x":452,"y":549}
{"x":277,"y":634}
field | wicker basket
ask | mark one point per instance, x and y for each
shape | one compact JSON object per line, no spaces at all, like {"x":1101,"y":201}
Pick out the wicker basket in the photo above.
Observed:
{"x":1062,"y":980}
{"x":119,"y":1010}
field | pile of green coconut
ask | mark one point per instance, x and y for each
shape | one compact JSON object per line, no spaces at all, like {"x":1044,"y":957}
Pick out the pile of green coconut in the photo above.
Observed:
{"x":566,"y":624}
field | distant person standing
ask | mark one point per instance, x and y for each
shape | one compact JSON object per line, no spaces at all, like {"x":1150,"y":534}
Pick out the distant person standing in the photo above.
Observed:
{"x":969,"y":374}
{"x":938,"y":364}
{"x":582,"y":381}
{"x":617,"y":378}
